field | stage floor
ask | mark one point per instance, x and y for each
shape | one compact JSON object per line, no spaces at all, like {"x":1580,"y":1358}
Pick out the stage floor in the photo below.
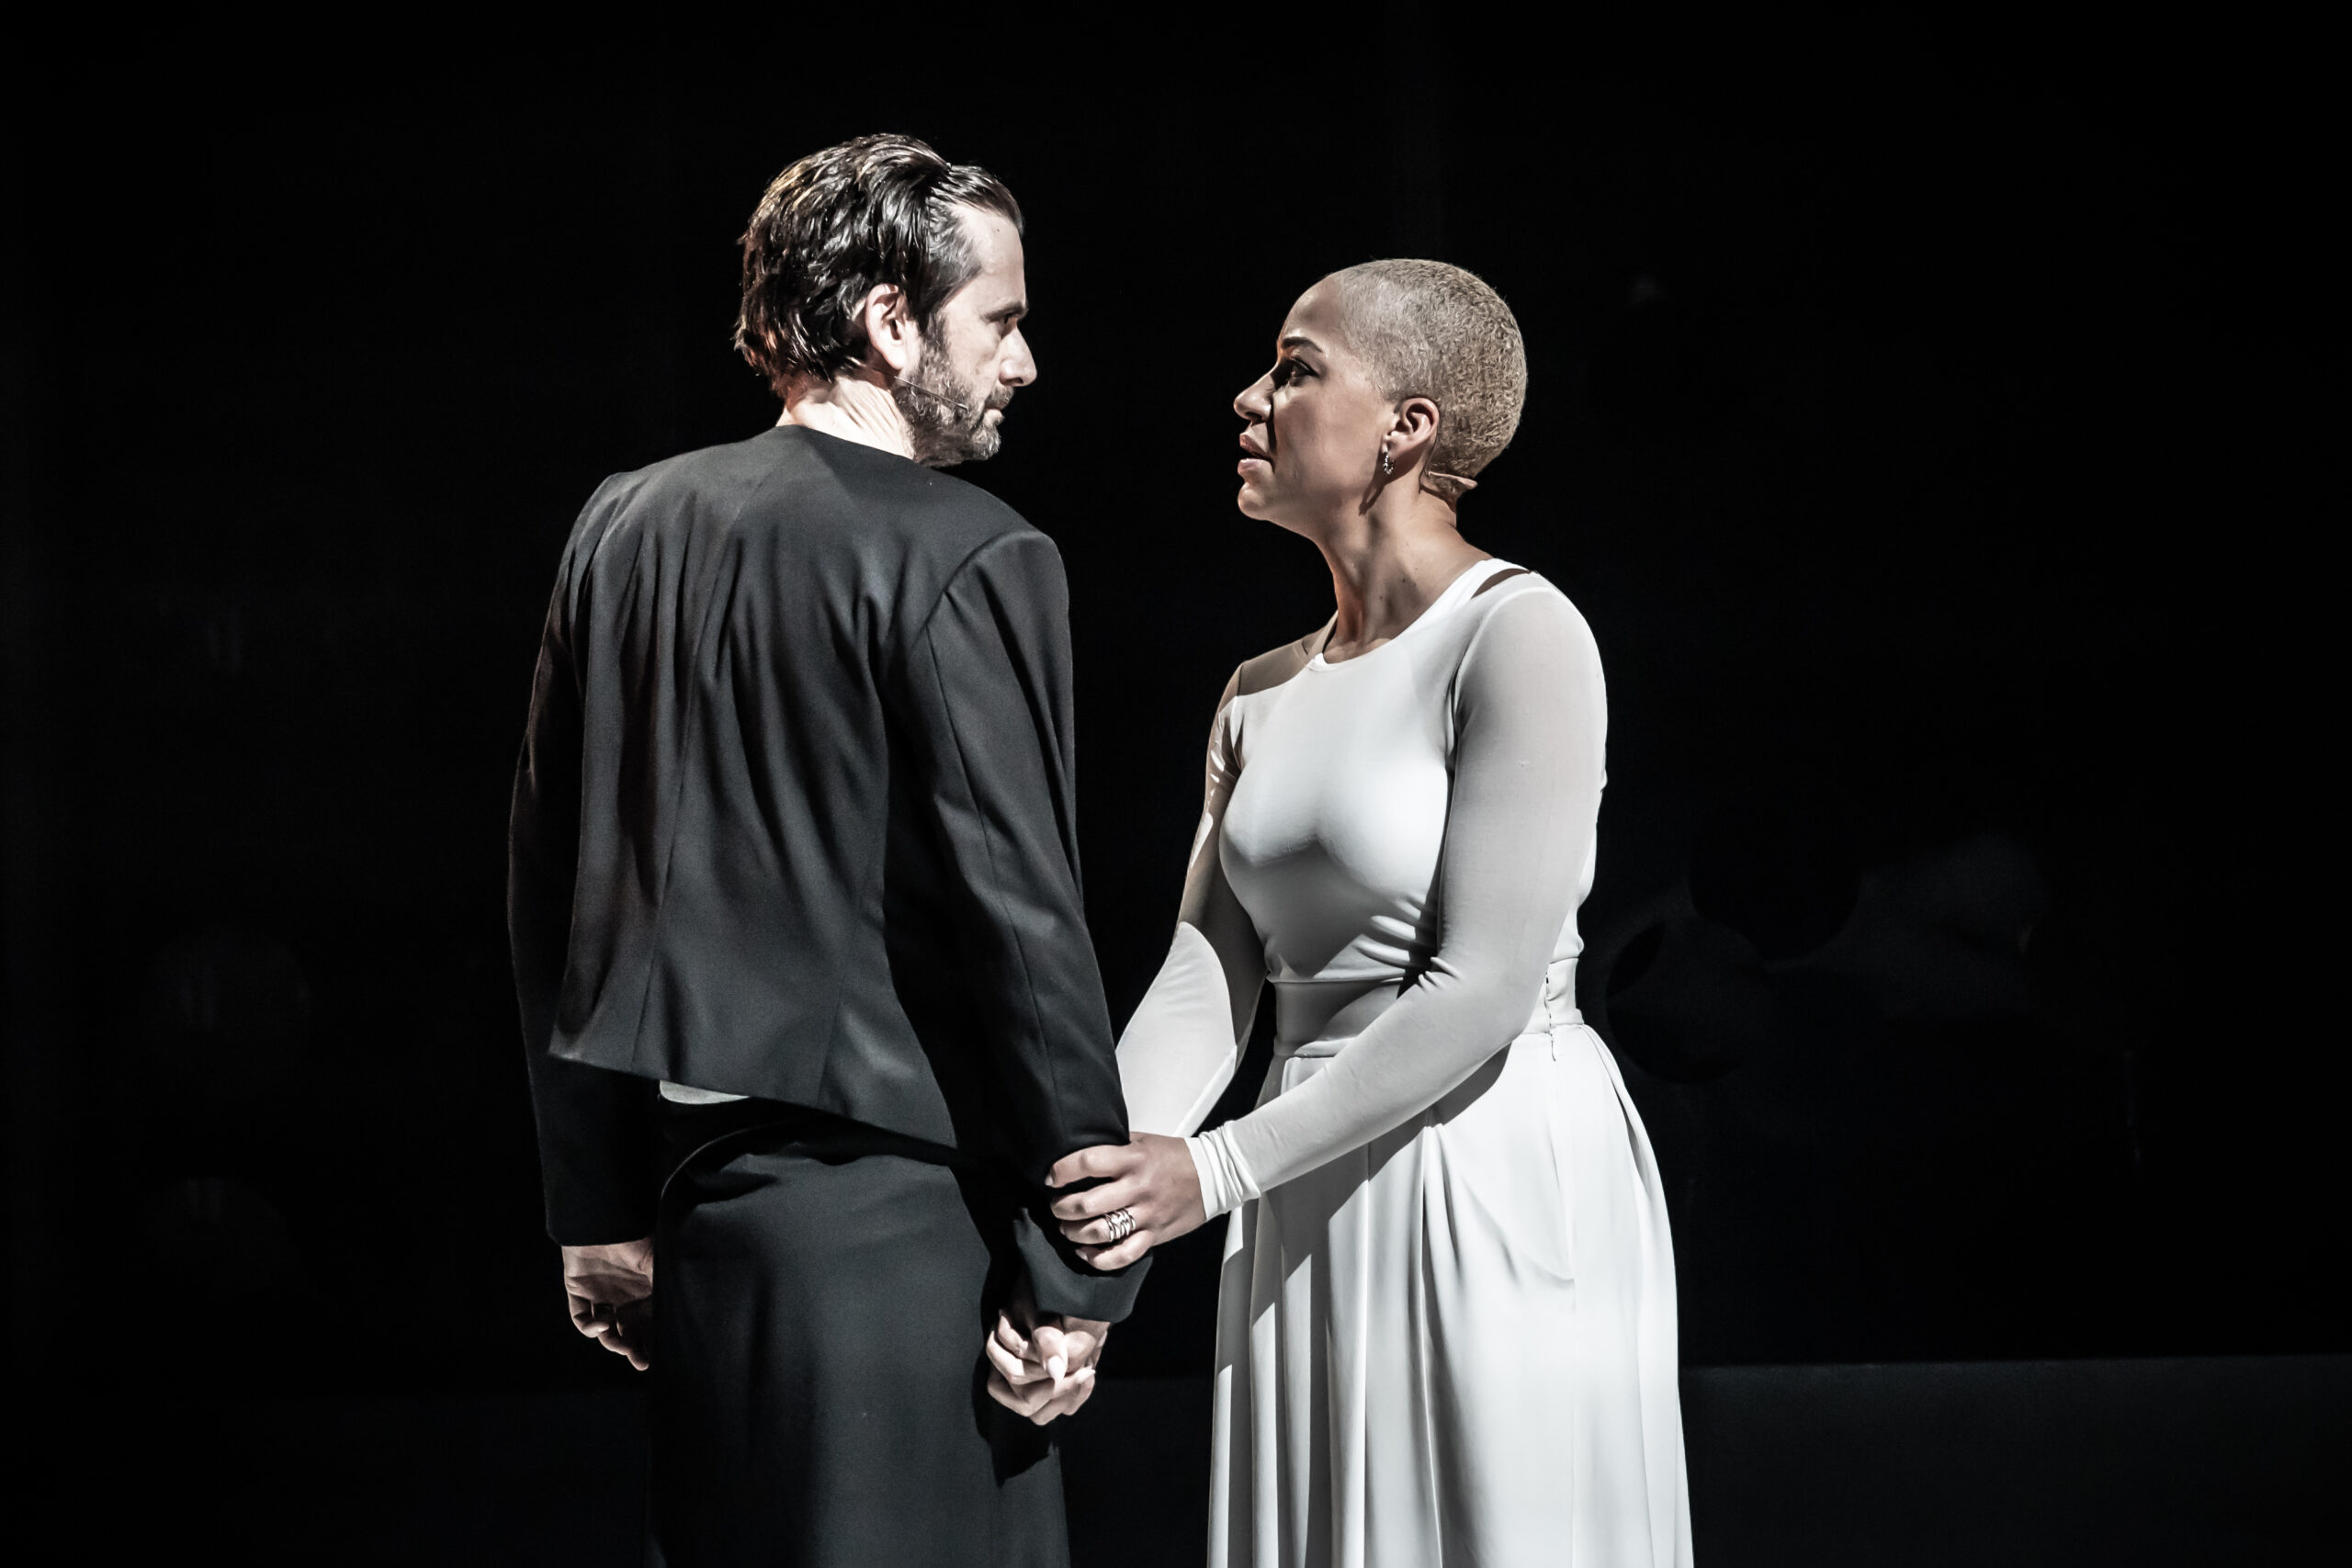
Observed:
{"x":2077,"y":1462}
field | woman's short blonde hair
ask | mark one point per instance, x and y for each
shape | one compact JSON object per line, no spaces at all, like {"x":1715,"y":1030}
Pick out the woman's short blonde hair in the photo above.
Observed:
{"x":1431,"y":329}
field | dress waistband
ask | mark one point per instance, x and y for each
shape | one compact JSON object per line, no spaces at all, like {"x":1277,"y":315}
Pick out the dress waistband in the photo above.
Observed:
{"x":1319,"y":1018}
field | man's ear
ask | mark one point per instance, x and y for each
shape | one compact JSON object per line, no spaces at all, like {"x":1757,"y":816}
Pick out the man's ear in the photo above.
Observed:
{"x":890,"y":338}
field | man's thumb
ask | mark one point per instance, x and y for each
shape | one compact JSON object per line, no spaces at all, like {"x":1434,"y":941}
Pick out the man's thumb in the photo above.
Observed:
{"x":1053,"y":1351}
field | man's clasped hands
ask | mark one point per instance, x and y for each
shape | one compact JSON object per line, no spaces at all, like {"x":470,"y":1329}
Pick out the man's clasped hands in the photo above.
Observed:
{"x":1041,"y":1364}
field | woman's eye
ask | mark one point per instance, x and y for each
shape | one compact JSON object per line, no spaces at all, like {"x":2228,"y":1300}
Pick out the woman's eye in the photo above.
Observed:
{"x":1287,"y":371}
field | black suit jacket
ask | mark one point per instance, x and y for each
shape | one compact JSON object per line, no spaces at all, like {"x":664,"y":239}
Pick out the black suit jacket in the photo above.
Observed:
{"x":794,"y":820}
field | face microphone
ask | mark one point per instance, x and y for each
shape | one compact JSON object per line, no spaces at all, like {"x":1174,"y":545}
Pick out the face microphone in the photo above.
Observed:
{"x":963,"y":410}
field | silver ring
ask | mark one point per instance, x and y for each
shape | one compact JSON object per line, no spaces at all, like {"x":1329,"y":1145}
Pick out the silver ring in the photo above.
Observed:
{"x":1122,"y":1224}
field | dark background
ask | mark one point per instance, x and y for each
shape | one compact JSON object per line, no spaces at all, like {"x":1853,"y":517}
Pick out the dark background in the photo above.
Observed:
{"x":1930,"y":421}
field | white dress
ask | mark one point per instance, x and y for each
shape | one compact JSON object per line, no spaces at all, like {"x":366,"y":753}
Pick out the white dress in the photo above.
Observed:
{"x":1446,"y":1333}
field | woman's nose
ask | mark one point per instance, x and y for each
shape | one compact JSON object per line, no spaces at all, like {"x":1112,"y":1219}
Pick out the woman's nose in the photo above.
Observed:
{"x":1254,"y":404}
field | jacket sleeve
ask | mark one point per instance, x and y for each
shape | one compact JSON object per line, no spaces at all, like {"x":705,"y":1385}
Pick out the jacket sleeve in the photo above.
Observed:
{"x":595,"y":1127}
{"x":989,"y":688}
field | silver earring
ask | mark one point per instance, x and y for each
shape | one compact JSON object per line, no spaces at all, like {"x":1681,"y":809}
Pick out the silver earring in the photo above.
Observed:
{"x":1386,"y":472}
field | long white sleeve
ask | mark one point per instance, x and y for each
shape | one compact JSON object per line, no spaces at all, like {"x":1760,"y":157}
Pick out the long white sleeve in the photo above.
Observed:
{"x":1180,"y":1049}
{"x":1530,"y":720}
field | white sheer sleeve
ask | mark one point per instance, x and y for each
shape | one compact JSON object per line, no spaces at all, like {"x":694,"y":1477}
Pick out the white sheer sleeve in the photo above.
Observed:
{"x":1530,"y":719}
{"x":1180,"y":1049}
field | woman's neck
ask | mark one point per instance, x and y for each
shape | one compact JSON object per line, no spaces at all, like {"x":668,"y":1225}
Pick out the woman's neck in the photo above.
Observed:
{"x":1388,"y":565}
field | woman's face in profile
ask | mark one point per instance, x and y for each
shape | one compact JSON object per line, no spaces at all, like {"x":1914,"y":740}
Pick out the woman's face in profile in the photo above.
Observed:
{"x":1315,"y":423}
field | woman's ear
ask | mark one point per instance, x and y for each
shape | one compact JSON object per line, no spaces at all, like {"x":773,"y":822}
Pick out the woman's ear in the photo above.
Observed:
{"x":1413,"y":437}
{"x":890,"y":332}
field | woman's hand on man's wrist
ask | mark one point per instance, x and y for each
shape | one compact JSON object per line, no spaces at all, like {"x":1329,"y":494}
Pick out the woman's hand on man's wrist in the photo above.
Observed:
{"x":1147,"y":1191}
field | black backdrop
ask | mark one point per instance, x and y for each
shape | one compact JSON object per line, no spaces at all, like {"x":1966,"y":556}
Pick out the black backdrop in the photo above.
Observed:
{"x":1927,"y":423}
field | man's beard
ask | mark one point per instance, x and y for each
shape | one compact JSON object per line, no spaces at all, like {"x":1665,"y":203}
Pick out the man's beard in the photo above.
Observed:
{"x":947,"y":426}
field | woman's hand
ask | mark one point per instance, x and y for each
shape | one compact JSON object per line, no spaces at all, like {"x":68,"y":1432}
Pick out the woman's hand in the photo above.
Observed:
{"x":1152,"y":1178}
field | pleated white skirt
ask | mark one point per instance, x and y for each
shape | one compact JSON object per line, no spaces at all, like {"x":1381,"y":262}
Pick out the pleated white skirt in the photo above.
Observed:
{"x":1456,"y":1345}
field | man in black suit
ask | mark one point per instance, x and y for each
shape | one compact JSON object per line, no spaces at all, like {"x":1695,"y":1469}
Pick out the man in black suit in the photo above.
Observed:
{"x":808,"y":1003}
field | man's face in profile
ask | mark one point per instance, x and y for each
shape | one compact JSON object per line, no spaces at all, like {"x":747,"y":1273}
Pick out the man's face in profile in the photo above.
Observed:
{"x":975,"y":358}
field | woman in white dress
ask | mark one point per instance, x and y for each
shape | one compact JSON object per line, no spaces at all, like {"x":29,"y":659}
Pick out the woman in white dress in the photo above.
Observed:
{"x":1447,"y":1328}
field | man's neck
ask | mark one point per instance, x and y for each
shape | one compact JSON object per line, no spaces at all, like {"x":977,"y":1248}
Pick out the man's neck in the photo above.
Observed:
{"x":855,"y":407}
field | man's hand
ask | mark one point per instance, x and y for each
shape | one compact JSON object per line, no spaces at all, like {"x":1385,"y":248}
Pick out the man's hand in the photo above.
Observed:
{"x":1041,"y":1363}
{"x":611,"y":1289}
{"x":1152,"y":1178}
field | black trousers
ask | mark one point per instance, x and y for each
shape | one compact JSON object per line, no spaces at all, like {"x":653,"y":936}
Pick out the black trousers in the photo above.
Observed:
{"x":822,"y":1289}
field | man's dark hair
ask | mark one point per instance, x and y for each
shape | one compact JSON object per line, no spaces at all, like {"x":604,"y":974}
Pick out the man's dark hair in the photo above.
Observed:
{"x":878,"y":209}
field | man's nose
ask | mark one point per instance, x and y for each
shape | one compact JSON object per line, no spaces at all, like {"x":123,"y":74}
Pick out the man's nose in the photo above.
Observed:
{"x":1020,"y":367}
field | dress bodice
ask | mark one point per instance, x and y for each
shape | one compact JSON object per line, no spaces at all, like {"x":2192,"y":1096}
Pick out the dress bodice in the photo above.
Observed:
{"x":1341,"y":778}
{"x":1398,"y":843}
